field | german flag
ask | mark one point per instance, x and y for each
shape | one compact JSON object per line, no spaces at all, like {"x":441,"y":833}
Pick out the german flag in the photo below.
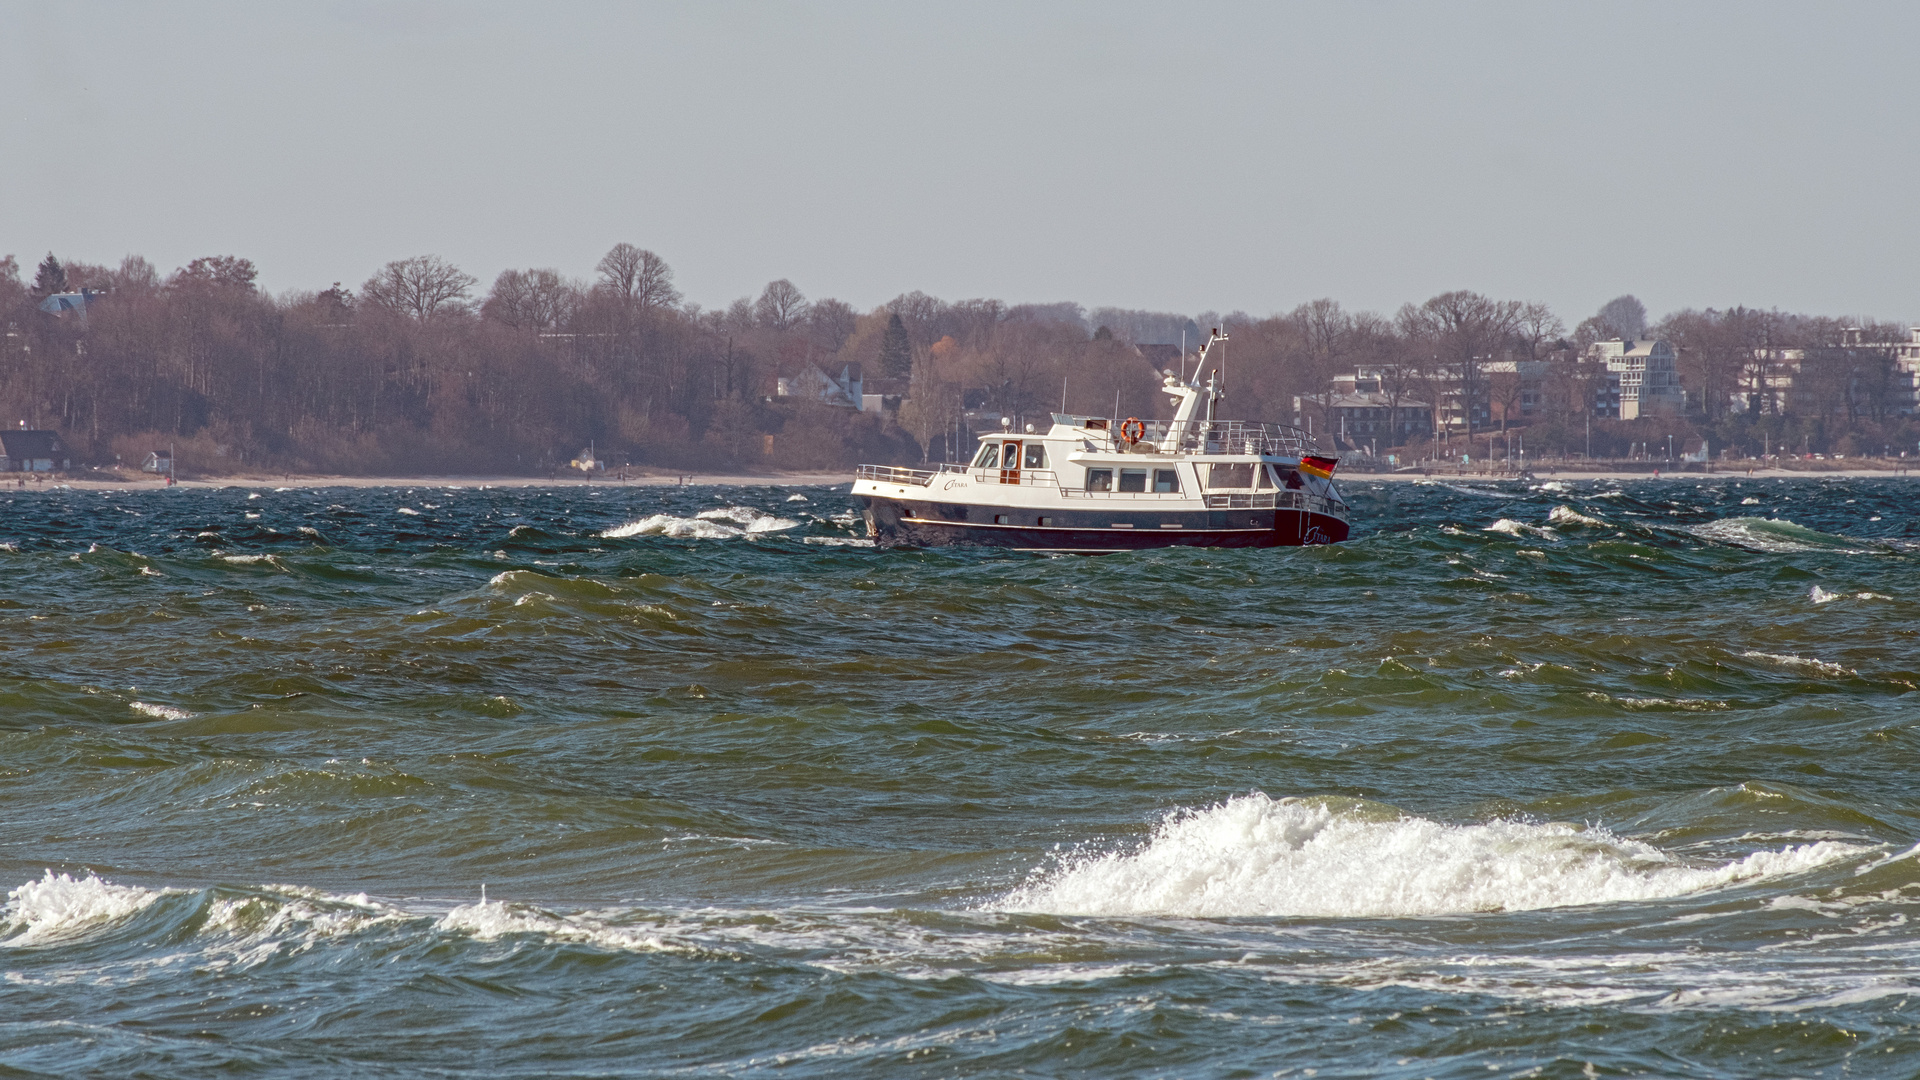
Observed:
{"x":1321,"y":467}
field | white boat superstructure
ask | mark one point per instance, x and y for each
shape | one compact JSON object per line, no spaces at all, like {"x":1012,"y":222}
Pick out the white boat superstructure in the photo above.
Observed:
{"x":1105,"y":484}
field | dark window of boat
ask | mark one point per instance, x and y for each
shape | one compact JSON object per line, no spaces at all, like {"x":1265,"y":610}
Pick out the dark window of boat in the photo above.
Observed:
{"x":1133,"y":479}
{"x":1036,"y":456}
{"x":1046,"y":522}
{"x":1099,"y":479}
{"x":1001,"y":519}
{"x":1096,"y":425}
{"x":1166,"y":480}
{"x":1235,"y":475}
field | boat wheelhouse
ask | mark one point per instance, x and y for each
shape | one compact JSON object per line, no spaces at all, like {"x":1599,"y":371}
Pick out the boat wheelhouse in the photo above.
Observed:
{"x":1099,"y":484}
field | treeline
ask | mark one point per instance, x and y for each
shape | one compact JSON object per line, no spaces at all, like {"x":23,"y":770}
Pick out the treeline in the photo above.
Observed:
{"x":420,"y":370}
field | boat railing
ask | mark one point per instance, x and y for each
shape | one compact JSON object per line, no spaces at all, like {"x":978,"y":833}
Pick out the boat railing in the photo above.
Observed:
{"x":1076,"y":493}
{"x":1028,"y":477}
{"x":1276,"y":500}
{"x":1213,"y":437}
{"x":895,"y":474}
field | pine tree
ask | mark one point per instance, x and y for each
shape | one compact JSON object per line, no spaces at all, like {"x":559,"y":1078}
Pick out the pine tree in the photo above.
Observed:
{"x":896,"y":350}
{"x":51,"y":277}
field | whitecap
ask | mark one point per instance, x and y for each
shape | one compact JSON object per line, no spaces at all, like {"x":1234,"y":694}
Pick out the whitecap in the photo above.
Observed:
{"x":797,"y":498}
{"x":1257,"y":856}
{"x":840,"y":541}
{"x":1567,"y":515}
{"x":1773,"y":535}
{"x":490,"y":921}
{"x":707,"y":525}
{"x":1809,"y":663}
{"x":59,"y":905}
{"x":1821,"y":596}
{"x":159,"y":712}
{"x":1520,"y":528}
{"x":250,"y":560}
{"x":408,"y":510}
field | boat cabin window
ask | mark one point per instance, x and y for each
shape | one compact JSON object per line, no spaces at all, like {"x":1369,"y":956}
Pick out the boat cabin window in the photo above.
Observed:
{"x":1036,"y":456}
{"x":1133,"y":479}
{"x":989,"y":457}
{"x":1234,"y":475}
{"x":1096,"y":425}
{"x":1166,"y":480}
{"x":1099,"y":479}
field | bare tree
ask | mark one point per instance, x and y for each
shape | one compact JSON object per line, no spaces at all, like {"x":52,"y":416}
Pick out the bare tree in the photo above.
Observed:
{"x":531,"y":299}
{"x":832,"y":322}
{"x":422,"y":288}
{"x":1625,"y":316}
{"x":1538,"y":328}
{"x":781,"y":306}
{"x":1460,"y":329}
{"x":638,"y":277}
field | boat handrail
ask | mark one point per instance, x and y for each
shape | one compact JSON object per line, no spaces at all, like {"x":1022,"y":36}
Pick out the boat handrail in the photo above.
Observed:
{"x":1277,"y":500}
{"x":1218,"y":437}
{"x":897,"y":474}
{"x":1031,"y":477}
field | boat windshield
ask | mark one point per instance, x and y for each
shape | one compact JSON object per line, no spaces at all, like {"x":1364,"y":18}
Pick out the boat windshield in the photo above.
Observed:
{"x":989,"y":457}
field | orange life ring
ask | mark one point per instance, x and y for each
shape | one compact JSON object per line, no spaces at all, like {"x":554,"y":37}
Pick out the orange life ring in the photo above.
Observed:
{"x":1133,"y":430}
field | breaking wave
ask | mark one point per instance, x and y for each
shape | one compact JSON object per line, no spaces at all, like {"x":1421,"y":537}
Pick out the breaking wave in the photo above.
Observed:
{"x":729,"y":523}
{"x":1567,"y":515}
{"x":1257,"y":856}
{"x":1773,"y":535}
{"x":61,"y":906}
{"x":1511,"y":527}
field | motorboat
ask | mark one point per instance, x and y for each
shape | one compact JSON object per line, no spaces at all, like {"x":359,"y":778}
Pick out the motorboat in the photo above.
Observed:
{"x":1101,"y":484}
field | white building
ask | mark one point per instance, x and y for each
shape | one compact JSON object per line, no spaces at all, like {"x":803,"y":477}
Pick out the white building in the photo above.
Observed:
{"x":1643,"y":373}
{"x":1767,"y":381}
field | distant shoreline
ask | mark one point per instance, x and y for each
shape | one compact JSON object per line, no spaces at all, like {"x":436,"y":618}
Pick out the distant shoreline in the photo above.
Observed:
{"x":829,"y":479}
{"x":691,"y":479}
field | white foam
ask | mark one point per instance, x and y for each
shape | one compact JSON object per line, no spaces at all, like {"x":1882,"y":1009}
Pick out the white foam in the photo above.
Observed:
{"x":1775,"y":535}
{"x":298,"y":912}
{"x":159,"y":712}
{"x":748,"y":518}
{"x":1821,"y":596}
{"x":60,"y":906}
{"x":797,"y":498}
{"x":1567,"y":515}
{"x":1520,"y":528}
{"x":707,"y":525}
{"x":408,"y":510}
{"x":1749,"y":501}
{"x":250,"y":560}
{"x":1257,"y":856}
{"x":1823,"y":667}
{"x":839,"y":541}
{"x":490,"y":921}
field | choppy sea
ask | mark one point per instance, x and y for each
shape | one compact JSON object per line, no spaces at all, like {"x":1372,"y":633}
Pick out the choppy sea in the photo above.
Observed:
{"x":1527,"y":779}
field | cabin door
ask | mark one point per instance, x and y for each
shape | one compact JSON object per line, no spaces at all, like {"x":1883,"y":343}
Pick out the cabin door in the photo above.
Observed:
{"x":1010,"y":463}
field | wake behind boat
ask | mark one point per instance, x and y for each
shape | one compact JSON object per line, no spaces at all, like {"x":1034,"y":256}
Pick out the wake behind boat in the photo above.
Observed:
{"x":1099,"y":484}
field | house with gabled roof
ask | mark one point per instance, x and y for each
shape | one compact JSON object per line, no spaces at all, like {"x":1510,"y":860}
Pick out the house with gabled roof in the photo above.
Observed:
{"x":24,"y":450}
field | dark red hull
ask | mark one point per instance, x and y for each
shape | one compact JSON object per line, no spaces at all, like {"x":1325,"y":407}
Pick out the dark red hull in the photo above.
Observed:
{"x":892,"y":522}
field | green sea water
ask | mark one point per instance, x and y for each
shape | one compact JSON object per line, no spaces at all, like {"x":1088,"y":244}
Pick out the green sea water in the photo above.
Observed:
{"x":1526,"y":779}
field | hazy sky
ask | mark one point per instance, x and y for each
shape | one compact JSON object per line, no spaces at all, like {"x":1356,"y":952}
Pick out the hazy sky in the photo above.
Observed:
{"x":1169,"y":156}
